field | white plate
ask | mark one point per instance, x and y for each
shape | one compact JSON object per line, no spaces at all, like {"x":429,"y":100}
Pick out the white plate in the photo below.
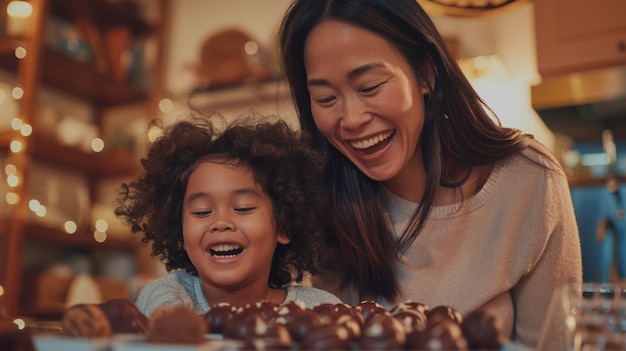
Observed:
{"x":45,"y":342}
{"x":138,"y":343}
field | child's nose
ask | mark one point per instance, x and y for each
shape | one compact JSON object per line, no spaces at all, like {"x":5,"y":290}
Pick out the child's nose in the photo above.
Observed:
{"x":222,"y":225}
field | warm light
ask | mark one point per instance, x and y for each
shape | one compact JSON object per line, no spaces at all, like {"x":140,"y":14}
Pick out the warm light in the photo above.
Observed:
{"x":26,"y":129}
{"x":12,"y":198}
{"x":165,"y":105}
{"x":251,"y":48}
{"x":97,"y":144}
{"x":70,"y":227}
{"x":17,"y":93}
{"x":13,"y":180}
{"x":10,"y":169}
{"x":20,"y":323}
{"x":33,"y":205}
{"x":19,"y":9}
{"x":16,"y":146}
{"x":20,"y":52}
{"x":16,"y":123}
{"x":18,"y":13}
{"x":102,"y":225}
{"x":1,"y":290}
{"x":100,"y":236}
{"x":41,"y":211}
{"x":154,"y":133}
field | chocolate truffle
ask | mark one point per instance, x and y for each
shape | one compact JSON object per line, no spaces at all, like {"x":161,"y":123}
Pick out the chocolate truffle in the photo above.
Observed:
{"x":352,"y":325}
{"x":244,"y":326}
{"x":410,"y":305}
{"x":124,"y":316}
{"x":269,"y":337}
{"x":343,"y":308}
{"x":218,"y":316}
{"x":176,"y":325}
{"x":298,"y":322}
{"x":86,"y":321}
{"x":369,"y":308}
{"x":327,"y":337}
{"x":445,"y":334}
{"x":325,"y":309}
{"x":411,"y":319}
{"x":265,"y":308}
{"x":444,"y":312}
{"x":383,"y":332}
{"x":482,"y":330}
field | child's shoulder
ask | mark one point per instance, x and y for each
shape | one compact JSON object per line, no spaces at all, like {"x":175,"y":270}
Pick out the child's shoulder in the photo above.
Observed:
{"x":310,"y":296}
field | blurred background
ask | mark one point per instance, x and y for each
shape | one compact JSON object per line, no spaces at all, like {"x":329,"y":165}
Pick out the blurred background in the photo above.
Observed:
{"x":80,"y":80}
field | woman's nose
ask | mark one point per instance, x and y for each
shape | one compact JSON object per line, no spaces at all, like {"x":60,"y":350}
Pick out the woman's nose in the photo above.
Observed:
{"x":354,"y":114}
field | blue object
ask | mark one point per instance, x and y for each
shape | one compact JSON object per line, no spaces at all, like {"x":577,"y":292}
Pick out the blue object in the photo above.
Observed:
{"x":602,"y":230}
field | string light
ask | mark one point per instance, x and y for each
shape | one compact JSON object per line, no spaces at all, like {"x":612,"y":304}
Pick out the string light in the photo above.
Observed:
{"x":16,"y":146}
{"x":99,"y":236}
{"x":70,"y":227}
{"x":101,"y":225}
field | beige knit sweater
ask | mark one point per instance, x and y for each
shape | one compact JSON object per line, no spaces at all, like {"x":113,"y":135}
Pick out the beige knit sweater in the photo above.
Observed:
{"x":506,"y":249}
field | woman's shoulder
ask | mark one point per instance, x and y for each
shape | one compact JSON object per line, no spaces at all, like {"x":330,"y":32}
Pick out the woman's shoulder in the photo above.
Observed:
{"x":310,"y":296}
{"x":539,"y":154}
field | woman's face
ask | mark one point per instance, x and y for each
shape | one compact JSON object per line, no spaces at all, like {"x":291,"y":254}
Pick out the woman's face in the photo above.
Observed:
{"x":365,"y":99}
{"x":228,"y":227}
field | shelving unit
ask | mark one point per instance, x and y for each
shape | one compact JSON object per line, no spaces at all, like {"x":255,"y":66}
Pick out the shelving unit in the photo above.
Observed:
{"x":46,"y":67}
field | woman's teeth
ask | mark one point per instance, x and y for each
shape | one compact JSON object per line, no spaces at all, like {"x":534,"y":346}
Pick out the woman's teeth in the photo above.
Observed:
{"x":367,"y":143}
{"x":226,"y":250}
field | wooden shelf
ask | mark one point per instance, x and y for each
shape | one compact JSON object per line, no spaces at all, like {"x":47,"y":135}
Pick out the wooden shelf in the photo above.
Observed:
{"x":95,"y":164}
{"x":83,"y":239}
{"x":76,"y":78}
{"x":591,"y":181}
{"x":105,"y":14}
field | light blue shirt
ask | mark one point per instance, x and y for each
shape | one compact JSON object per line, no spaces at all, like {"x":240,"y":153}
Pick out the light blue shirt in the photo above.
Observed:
{"x":181,"y":288}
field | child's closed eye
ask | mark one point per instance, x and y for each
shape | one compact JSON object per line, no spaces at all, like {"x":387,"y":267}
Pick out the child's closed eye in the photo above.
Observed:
{"x":201,"y":213}
{"x":244,"y":209}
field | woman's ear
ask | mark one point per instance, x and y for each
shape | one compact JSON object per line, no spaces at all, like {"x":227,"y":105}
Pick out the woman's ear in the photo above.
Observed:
{"x":283,"y":238}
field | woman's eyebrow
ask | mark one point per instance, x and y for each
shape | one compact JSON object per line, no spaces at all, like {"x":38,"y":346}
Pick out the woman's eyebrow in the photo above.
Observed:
{"x":352,"y":74}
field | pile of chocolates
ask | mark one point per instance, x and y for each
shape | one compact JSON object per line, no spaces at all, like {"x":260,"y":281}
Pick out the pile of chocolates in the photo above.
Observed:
{"x":291,"y":326}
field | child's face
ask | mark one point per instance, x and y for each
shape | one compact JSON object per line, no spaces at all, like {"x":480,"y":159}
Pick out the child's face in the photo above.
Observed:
{"x":228,"y":228}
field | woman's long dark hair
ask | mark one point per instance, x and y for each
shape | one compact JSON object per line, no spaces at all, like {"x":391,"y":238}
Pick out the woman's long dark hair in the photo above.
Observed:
{"x":459,"y":130}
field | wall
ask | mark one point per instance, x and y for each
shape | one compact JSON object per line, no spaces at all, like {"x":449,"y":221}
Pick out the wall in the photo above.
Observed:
{"x":192,"y":21}
{"x":509,"y":34}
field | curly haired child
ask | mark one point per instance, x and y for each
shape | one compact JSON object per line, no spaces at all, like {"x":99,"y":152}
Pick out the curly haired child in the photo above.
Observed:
{"x":234,"y":215}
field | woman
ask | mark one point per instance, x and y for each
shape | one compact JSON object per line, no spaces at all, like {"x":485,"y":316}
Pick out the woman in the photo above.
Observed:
{"x":435,"y":201}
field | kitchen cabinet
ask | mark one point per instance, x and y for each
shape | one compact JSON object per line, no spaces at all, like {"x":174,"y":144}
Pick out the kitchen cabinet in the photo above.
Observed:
{"x":108,"y":29}
{"x":579,"y":35}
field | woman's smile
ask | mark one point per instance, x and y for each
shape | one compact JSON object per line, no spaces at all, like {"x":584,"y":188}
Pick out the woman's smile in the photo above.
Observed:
{"x":372,"y":144}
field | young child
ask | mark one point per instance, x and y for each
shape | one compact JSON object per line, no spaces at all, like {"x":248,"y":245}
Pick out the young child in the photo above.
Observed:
{"x":234,"y":215}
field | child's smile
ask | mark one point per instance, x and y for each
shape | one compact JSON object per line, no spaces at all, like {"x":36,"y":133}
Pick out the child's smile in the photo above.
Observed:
{"x":228,"y":226}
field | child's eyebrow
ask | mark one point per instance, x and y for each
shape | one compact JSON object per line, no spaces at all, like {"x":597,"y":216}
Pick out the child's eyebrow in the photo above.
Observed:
{"x":247,"y":191}
{"x":242,"y":191}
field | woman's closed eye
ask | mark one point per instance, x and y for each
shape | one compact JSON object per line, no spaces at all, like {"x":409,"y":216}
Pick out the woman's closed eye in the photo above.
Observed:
{"x":369,"y":89}
{"x":325,"y":100}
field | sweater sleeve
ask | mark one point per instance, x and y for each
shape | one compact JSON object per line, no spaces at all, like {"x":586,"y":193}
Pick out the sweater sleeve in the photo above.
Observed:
{"x":557,"y":264}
